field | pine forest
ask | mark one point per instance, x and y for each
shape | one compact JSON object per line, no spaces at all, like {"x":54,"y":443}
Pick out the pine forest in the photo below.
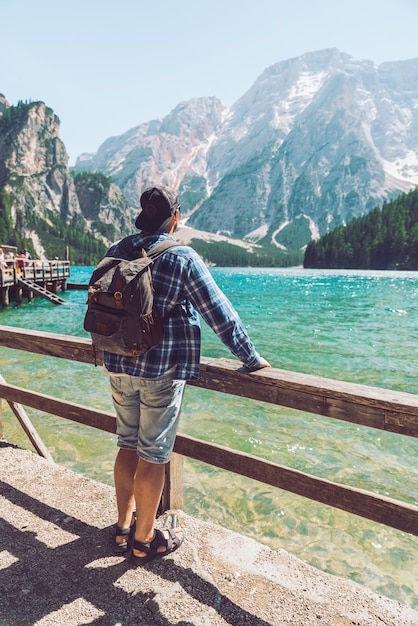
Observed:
{"x":385,"y":238}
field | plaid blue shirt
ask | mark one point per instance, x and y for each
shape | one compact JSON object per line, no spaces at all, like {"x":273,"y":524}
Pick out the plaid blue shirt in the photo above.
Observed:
{"x":183,"y":288}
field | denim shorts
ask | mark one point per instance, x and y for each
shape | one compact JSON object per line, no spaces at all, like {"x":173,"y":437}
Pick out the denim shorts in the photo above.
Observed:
{"x":147,"y":414}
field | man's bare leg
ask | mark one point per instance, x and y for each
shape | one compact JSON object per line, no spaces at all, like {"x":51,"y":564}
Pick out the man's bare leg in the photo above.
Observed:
{"x":148,"y":487}
{"x":124,"y":476}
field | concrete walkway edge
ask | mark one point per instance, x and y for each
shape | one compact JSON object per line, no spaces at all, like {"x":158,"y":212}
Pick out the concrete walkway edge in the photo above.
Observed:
{"x":56,"y":567}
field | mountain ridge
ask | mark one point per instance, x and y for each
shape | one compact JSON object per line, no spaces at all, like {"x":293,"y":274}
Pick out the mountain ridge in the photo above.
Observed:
{"x":316,"y":140}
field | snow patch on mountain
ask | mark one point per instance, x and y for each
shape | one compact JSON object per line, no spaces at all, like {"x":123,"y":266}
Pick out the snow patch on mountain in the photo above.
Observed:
{"x":185,"y":234}
{"x":312,"y":227}
{"x":258,"y":233}
{"x":300,"y":96}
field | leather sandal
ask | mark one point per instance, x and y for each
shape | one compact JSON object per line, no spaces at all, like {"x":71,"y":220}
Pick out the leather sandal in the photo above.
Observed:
{"x":151,"y":548}
{"x":129,"y":533}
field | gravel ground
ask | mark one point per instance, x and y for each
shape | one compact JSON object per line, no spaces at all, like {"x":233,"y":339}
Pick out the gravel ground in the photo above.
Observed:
{"x":56,"y":567}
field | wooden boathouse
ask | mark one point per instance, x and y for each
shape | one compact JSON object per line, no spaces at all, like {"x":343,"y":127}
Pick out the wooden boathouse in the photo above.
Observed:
{"x":23,"y":277}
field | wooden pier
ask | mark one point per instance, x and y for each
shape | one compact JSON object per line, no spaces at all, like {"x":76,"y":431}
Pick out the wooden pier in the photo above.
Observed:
{"x":21,"y":278}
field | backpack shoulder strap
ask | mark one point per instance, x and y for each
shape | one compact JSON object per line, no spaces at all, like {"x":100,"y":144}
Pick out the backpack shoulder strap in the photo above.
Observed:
{"x":160,"y":248}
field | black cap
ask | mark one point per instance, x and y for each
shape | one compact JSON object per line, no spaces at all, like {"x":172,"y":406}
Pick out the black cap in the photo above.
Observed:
{"x":158,"y":204}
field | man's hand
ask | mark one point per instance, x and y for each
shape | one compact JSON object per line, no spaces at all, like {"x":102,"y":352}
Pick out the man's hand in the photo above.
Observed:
{"x":263,"y":363}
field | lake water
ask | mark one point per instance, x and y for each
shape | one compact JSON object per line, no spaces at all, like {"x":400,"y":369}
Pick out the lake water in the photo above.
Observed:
{"x":348,"y":325}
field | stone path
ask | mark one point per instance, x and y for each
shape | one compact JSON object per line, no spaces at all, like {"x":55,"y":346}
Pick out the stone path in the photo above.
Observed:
{"x":56,"y":568}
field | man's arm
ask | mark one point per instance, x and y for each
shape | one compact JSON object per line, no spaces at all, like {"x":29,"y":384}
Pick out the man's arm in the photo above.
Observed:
{"x":218,"y":312}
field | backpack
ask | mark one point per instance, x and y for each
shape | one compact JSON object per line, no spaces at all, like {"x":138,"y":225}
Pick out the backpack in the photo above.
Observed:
{"x":120,"y":312}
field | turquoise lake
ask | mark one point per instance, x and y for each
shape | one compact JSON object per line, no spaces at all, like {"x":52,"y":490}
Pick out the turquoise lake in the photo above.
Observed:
{"x":353,"y":326}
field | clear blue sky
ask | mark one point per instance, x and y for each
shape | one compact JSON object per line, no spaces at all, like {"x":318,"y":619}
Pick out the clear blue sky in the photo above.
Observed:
{"x":106,"y":66}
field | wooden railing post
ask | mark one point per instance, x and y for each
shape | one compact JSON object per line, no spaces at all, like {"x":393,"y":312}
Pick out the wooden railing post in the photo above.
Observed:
{"x":172,"y":497}
{"x":28,"y":427}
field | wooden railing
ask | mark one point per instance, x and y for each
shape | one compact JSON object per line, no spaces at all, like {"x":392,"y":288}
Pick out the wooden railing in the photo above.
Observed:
{"x":38,"y":271}
{"x":24,"y":275}
{"x":377,"y":408}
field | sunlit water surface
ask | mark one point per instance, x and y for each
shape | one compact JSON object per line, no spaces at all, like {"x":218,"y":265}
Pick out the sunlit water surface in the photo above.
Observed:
{"x":354,"y":326}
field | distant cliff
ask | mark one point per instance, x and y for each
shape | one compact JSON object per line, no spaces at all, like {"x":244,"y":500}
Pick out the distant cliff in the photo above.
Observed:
{"x":39,"y":201}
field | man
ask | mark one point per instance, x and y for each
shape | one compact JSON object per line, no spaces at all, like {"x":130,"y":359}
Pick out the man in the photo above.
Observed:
{"x":148,"y":390}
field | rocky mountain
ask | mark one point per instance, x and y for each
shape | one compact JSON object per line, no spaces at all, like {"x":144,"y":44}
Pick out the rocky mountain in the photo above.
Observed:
{"x":34,"y":178}
{"x":103,"y":206}
{"x":171,"y":151}
{"x":317,"y":140}
{"x":41,"y":208}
